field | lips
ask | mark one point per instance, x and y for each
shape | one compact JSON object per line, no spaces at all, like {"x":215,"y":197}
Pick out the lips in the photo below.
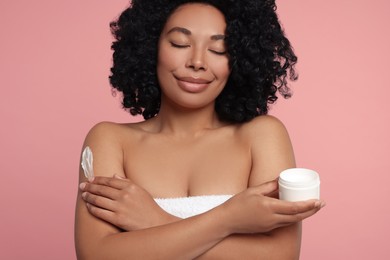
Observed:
{"x":194,"y":80}
{"x":193,"y":85}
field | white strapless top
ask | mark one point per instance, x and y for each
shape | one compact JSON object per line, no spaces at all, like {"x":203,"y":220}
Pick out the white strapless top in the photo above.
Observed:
{"x":185,"y":207}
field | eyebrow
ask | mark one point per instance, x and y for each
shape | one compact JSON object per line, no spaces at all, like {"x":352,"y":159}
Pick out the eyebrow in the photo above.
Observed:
{"x":180,"y":29}
{"x":185,"y":31}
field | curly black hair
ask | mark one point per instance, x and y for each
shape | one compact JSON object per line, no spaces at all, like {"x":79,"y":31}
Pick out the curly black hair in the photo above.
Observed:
{"x":260,"y":57}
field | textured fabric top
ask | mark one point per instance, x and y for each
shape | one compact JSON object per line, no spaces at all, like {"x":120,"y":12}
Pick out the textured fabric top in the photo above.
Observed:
{"x":185,"y":207}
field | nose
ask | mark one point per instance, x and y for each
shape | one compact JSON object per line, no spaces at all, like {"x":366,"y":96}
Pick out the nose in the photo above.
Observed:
{"x":197,"y":60}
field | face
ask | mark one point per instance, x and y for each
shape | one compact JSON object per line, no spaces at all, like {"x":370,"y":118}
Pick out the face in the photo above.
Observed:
{"x":193,"y":65}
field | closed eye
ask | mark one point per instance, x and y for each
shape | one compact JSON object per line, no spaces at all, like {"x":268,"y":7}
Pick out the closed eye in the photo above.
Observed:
{"x":218,"y":52}
{"x":179,"y":45}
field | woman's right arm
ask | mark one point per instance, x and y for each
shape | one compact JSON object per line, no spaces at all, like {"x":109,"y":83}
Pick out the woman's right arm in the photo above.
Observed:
{"x":97,"y":239}
{"x":184,"y":239}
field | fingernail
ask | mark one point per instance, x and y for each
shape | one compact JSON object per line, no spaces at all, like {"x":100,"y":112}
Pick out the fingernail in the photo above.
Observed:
{"x":82,"y":185}
{"x":319,"y":204}
{"x":83,"y":195}
{"x":90,"y":179}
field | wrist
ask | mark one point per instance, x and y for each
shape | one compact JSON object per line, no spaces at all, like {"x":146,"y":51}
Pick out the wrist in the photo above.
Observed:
{"x":223,"y":220}
{"x":168,"y":218}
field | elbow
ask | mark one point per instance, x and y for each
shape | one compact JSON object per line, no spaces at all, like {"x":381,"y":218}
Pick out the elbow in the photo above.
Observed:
{"x":286,"y":242}
{"x":88,"y":253}
{"x":88,"y":256}
{"x":82,"y":255}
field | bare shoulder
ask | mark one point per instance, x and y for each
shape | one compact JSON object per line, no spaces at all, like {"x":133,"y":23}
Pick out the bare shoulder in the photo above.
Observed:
{"x":111,"y":133}
{"x":263,"y":127}
{"x":106,"y":140}
{"x":271,"y":148}
{"x":103,"y":130}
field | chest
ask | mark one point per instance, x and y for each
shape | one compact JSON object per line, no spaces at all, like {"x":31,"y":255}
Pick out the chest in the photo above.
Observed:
{"x":171,"y":168}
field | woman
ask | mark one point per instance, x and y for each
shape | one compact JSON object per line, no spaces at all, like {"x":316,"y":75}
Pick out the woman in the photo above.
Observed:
{"x":201,"y":73}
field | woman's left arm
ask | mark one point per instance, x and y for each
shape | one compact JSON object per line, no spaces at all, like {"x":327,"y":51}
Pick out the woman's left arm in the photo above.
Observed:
{"x":271,"y":153}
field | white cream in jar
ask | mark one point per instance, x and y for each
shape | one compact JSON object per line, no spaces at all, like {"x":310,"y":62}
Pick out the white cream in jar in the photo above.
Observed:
{"x":297,"y":184}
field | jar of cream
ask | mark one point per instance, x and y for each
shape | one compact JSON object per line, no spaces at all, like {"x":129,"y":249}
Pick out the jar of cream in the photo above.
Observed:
{"x":297,"y":184}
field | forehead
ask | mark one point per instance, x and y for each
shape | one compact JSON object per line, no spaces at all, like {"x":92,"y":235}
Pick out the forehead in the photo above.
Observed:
{"x":197,"y":16}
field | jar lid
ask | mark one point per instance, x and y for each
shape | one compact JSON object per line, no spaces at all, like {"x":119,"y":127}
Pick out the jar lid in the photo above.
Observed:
{"x":299,"y":177}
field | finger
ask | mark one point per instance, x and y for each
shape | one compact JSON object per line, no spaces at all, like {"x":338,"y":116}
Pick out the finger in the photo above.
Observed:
{"x":98,"y":201}
{"x":100,"y":190}
{"x":119,"y":177}
{"x":274,"y":194}
{"x":292,"y":208}
{"x":102,"y":213}
{"x":116,"y":183}
{"x":267,"y":188}
{"x":285,"y":219}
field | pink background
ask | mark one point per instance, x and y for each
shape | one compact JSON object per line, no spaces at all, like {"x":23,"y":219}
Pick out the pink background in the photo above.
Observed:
{"x":54,"y":63}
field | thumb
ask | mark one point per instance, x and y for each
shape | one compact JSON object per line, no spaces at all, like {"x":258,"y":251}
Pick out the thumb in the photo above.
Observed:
{"x":119,"y":177}
{"x":268,"y":187}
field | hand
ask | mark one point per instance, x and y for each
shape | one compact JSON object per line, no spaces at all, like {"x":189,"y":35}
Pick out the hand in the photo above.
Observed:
{"x":253,"y":211}
{"x":122,"y":203}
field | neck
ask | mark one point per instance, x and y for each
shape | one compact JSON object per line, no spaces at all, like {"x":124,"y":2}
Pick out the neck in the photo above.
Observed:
{"x":186,"y":122}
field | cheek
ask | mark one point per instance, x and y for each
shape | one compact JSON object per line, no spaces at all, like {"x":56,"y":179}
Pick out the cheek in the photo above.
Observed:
{"x":166,"y":64}
{"x":222,"y":69}
{"x":168,"y":60}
